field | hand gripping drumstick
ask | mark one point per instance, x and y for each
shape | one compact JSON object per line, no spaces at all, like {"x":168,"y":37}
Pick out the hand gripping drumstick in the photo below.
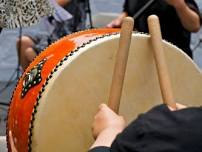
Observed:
{"x":120,"y":65}
{"x":164,"y":80}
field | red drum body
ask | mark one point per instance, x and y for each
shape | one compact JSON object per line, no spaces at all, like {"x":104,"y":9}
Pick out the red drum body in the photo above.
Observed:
{"x":54,"y":102}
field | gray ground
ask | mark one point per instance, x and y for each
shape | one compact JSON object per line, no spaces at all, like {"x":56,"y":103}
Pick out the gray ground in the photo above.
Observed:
{"x":8,"y":56}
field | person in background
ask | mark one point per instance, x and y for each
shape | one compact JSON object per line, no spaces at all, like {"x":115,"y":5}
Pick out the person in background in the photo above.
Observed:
{"x":17,"y":13}
{"x":78,"y":9}
{"x":161,"y":129}
{"x":178,"y":18}
{"x":52,"y":28}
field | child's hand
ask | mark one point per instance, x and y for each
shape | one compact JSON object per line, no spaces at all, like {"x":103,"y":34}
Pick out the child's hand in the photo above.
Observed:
{"x":106,"y":119}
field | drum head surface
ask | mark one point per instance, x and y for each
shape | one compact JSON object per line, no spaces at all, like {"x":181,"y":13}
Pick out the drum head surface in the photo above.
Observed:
{"x":69,"y":103}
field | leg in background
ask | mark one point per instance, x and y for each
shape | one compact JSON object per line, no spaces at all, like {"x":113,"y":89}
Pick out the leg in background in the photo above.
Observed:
{"x":26,"y":52}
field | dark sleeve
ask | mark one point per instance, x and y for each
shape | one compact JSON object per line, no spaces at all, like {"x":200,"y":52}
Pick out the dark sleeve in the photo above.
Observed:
{"x":132,"y":6}
{"x":174,"y":130}
{"x":131,"y":138}
{"x":100,"y":149}
{"x":125,"y":6}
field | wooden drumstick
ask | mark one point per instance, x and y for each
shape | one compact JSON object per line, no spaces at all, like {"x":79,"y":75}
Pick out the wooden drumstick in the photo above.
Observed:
{"x":163,"y":75}
{"x":120,"y":65}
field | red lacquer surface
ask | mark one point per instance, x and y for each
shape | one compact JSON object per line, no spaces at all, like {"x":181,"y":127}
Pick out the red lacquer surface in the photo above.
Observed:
{"x":19,"y":116}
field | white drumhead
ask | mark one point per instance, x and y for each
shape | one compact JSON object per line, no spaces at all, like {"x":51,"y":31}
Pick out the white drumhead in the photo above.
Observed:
{"x":70,"y":100}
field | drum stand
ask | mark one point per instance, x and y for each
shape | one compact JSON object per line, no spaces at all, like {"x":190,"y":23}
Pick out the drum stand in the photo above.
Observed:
{"x":88,"y":10}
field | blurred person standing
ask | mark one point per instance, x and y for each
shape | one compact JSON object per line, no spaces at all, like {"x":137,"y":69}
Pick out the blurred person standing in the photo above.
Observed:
{"x":64,"y":21}
{"x":178,"y":18}
{"x":22,"y":13}
{"x":78,"y":9}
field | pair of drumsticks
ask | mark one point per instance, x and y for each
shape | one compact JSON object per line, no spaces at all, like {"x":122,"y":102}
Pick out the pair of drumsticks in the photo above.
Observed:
{"x":122,"y":57}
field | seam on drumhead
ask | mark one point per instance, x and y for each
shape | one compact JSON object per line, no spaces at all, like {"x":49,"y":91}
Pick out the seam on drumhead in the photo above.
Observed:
{"x":31,"y":126}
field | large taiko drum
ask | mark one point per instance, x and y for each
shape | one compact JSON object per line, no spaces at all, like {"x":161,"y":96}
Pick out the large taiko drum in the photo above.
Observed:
{"x":54,"y":103}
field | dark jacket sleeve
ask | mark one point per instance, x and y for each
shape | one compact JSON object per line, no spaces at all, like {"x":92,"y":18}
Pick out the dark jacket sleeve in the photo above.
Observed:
{"x":132,"y":6}
{"x":100,"y":149}
{"x":161,"y":130}
{"x":175,"y":131}
{"x":125,"y":6}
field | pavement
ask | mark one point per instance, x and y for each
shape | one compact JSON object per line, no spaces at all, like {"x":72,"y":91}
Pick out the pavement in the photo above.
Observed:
{"x":8,"y":56}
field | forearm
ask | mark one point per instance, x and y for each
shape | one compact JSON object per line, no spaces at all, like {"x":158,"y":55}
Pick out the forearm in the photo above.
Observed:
{"x":118,"y":21}
{"x":105,"y":138}
{"x":123,"y":15}
{"x":189,"y":19}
